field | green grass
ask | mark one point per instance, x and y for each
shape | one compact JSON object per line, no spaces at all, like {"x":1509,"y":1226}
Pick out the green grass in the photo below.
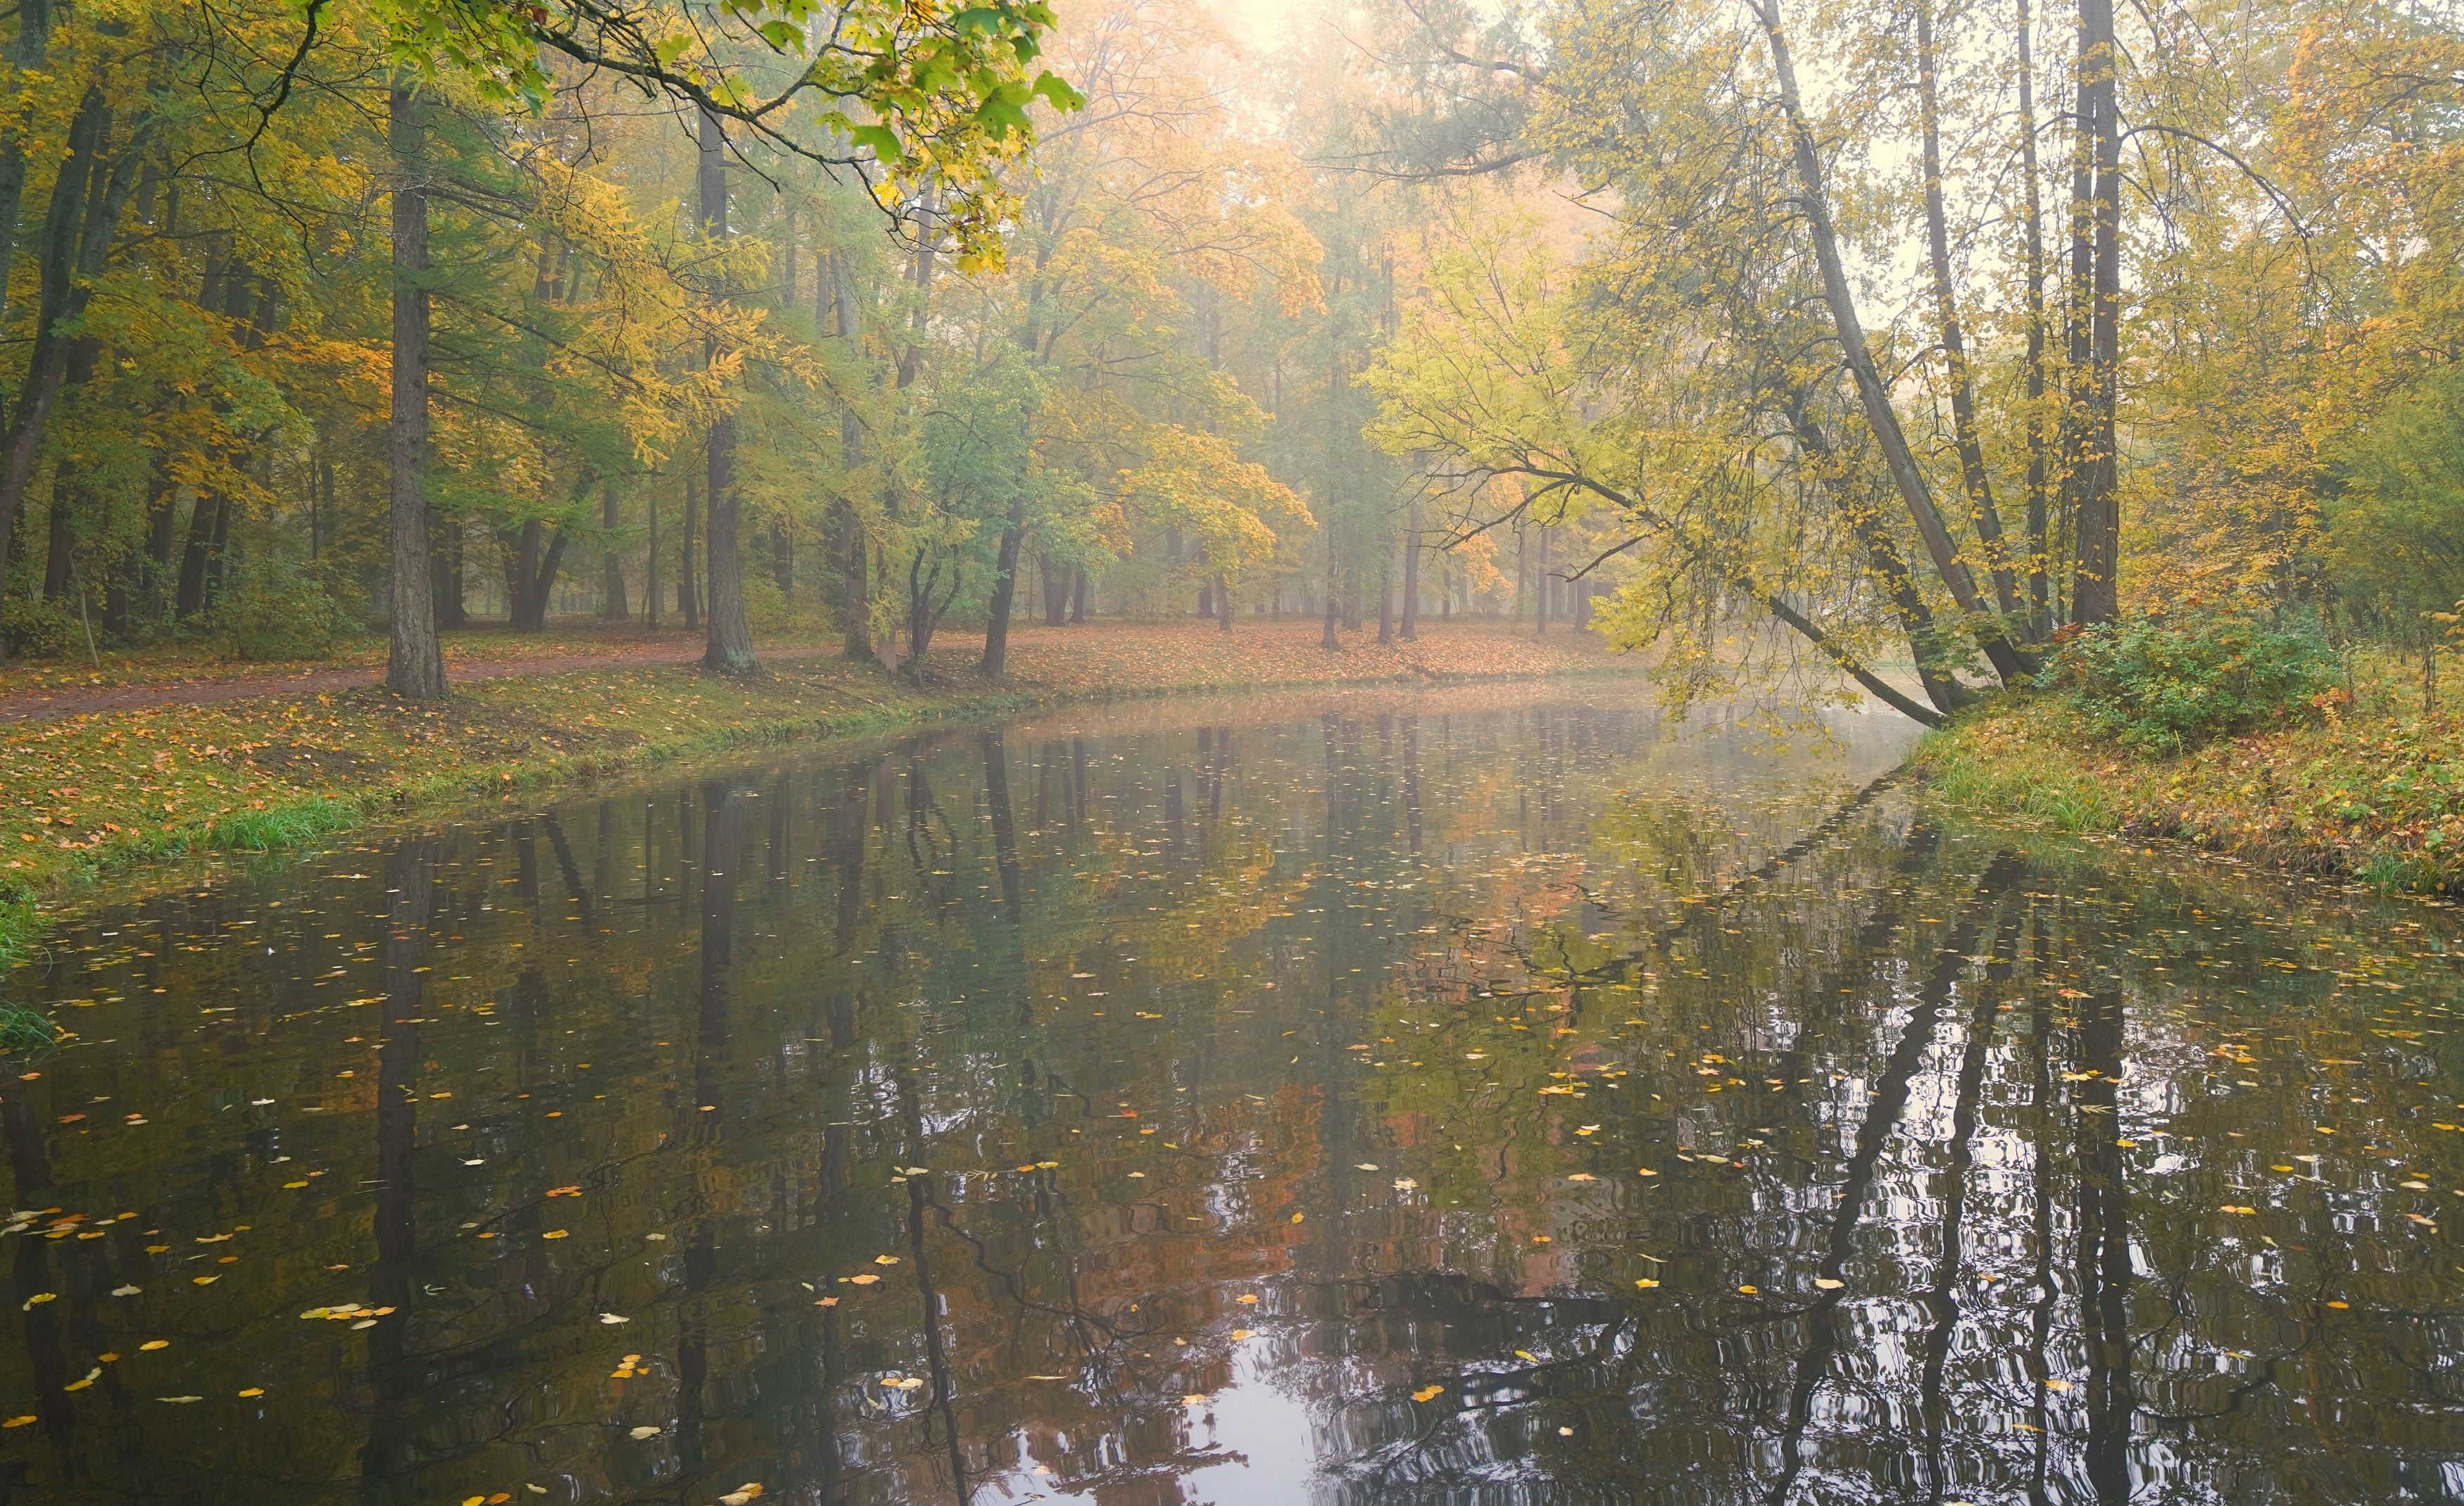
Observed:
{"x":2372,"y":792}
{"x":23,"y":1028}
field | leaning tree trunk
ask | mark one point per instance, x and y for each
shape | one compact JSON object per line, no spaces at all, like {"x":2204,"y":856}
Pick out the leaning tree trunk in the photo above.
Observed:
{"x":415,"y":662}
{"x":1872,"y":391}
{"x":730,"y":650}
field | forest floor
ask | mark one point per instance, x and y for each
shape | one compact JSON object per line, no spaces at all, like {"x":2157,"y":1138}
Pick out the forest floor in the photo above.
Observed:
{"x":166,"y":757}
{"x":2371,"y":792}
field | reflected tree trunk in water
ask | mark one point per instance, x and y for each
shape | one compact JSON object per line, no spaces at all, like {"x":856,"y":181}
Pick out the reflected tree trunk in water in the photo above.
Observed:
{"x":722,"y":846}
{"x":1412,"y":780}
{"x":1004,"y":825}
{"x":1890,"y":1101}
{"x":566,"y":868}
{"x":2104,"y":1253}
{"x":936,"y":1361}
{"x":1944,"y":1306}
{"x":393,"y":1373}
{"x":2040,"y":1313}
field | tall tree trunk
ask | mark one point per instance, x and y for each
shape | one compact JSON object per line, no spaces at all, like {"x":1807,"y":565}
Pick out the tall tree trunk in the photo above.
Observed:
{"x":688,"y":599}
{"x":650,"y":561}
{"x":855,"y":558}
{"x":1871,"y":392}
{"x":59,"y":553}
{"x":28,"y":55}
{"x":730,"y":647}
{"x":1004,"y":591}
{"x":196,"y":557}
{"x":1222,"y":606}
{"x":1982,"y":514}
{"x":1327,"y":639}
{"x":2040,"y":615}
{"x":783,"y":559}
{"x":446,"y":571}
{"x":415,"y":662}
{"x":161,"y":523}
{"x":1411,"y":630}
{"x":1078,"y":597}
{"x":1541,"y":619}
{"x":87,"y":197}
{"x":1056,"y":594}
{"x":2096,"y":227}
{"x":1386,"y":599}
{"x":612,"y":605}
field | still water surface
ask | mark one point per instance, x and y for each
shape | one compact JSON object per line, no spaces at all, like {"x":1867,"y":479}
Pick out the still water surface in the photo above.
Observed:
{"x":1488,"y":1097}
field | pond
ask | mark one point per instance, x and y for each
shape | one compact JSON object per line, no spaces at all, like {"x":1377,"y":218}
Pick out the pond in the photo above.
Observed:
{"x":1482,"y":1094}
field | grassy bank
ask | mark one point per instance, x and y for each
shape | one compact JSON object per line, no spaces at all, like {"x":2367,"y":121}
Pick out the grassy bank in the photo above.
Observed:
{"x":2372,"y":790}
{"x":86,"y":797}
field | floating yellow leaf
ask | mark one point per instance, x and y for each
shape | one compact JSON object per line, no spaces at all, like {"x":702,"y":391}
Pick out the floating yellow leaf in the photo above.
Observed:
{"x":866,"y":1279}
{"x":1645,"y":1283}
{"x":554,"y":1234}
{"x":156,"y":1343}
{"x":254,"y":1390}
{"x":1428,"y":1393}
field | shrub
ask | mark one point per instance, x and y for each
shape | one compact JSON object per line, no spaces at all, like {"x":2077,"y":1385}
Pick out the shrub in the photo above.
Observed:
{"x":38,"y":630}
{"x":276,"y":609}
{"x":2167,"y":684}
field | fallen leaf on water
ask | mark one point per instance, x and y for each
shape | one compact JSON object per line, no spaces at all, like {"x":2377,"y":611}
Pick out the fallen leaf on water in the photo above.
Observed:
{"x":18,"y":1422}
{"x":1645,"y":1283}
{"x":89,"y":1377}
{"x":741,"y":1495}
{"x":1239,"y":1334}
{"x":1193,"y":1399}
{"x":647,"y":1432}
{"x":176,"y":1401}
{"x":1404,"y":1183}
{"x":1297,"y":1217}
{"x":554,"y":1234}
{"x":866,"y":1279}
{"x":1367,"y":1165}
{"x":2057,"y":1384}
{"x":126,"y":1291}
{"x":254,"y":1390}
{"x":1248,"y":1299}
{"x":205,"y":1280}
{"x":156,"y":1343}
{"x":1428,"y":1393}
{"x":1750,"y":1291}
{"x":613,"y":1318}
{"x":1526,"y":1356}
{"x":885,"y":1260}
{"x":1582,"y":1176}
{"x":28,"y":1305}
{"x":1827,"y":1284}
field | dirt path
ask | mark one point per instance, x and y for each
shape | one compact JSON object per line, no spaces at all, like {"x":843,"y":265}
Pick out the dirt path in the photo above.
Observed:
{"x":80,"y":701}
